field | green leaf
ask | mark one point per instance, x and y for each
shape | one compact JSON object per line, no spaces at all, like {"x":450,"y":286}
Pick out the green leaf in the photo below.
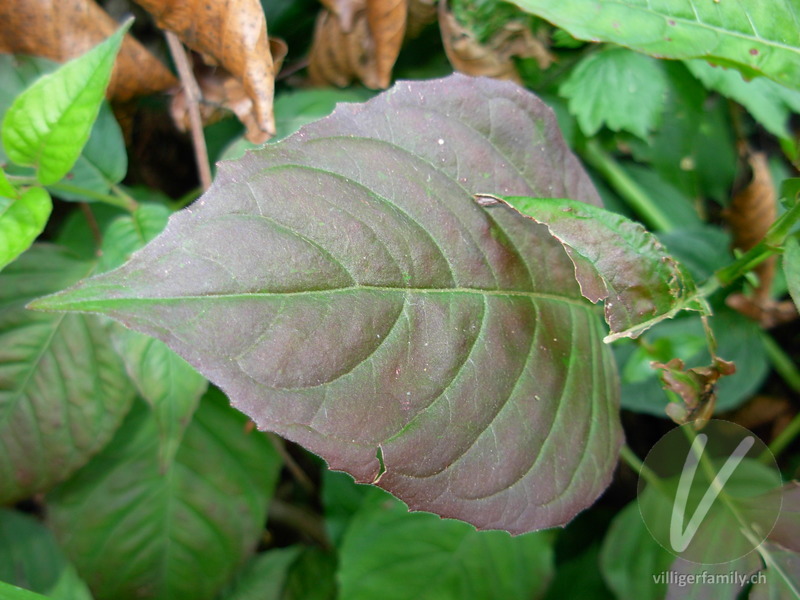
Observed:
{"x":63,"y":389}
{"x":348,"y":293}
{"x":791,"y":268}
{"x":22,"y":219}
{"x":618,"y":88}
{"x":30,"y":558}
{"x":616,"y":260}
{"x":768,"y":102}
{"x":103,"y":161}
{"x":12,"y":592}
{"x":264,"y":577}
{"x":756,"y":37}
{"x":392,"y":554}
{"x":129,"y":232}
{"x":49,"y":123}
{"x":6,"y":189}
{"x":166,"y":382}
{"x":694,"y":149}
{"x":631,"y":560}
{"x":134,"y":531}
{"x":312,"y":576}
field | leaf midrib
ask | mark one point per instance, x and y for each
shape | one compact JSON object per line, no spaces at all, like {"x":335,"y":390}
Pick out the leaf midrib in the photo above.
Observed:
{"x":69,"y":304}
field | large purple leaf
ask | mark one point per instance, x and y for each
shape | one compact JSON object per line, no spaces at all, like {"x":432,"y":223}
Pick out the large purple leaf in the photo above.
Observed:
{"x":345,"y":290}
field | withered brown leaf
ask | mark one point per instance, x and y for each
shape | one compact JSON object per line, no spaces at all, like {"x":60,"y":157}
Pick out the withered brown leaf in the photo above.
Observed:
{"x":63,"y":30}
{"x":232,"y":34}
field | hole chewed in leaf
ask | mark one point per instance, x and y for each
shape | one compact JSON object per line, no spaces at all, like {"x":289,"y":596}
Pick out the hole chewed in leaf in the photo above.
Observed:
{"x":453,"y":338}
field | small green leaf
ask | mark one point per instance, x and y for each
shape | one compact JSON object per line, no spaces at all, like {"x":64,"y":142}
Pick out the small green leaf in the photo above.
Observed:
{"x":758,"y":38}
{"x":392,"y":554}
{"x":615,"y":259}
{"x":48,"y":124}
{"x":30,"y":558}
{"x":618,"y":88}
{"x":135,"y":531}
{"x":21,"y":221}
{"x":791,"y":268}
{"x":768,"y":102}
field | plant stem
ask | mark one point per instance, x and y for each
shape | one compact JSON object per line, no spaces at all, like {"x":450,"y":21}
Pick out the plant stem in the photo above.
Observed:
{"x":768,"y":246}
{"x":193,"y":97}
{"x":119,"y":199}
{"x":635,"y":463}
{"x":626,"y":187}
{"x":789,"y":372}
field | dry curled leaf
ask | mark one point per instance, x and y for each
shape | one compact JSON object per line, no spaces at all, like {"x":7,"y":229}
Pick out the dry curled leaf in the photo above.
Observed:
{"x":696,"y":387}
{"x":357,"y":39}
{"x":421,"y":13}
{"x":223,"y":93}
{"x":495,"y":57}
{"x":229,"y":33}
{"x":750,"y":215}
{"x":63,"y":30}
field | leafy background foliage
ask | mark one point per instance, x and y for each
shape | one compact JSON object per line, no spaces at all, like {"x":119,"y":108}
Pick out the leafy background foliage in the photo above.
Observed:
{"x":125,"y":473}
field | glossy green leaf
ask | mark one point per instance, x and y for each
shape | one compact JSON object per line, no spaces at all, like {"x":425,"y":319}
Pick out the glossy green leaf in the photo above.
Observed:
{"x":768,"y":102}
{"x":22,"y":219}
{"x":392,"y":554}
{"x":791,"y":268}
{"x":347,"y":292}
{"x":63,"y":389}
{"x":31,"y":559}
{"x":103,"y":161}
{"x":758,"y":38}
{"x":620,"y":89}
{"x":631,"y":560}
{"x":616,"y":260}
{"x":135,"y":531}
{"x":49,"y":123}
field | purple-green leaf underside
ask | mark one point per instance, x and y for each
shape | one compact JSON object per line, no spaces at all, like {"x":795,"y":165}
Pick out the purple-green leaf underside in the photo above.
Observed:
{"x":345,"y":290}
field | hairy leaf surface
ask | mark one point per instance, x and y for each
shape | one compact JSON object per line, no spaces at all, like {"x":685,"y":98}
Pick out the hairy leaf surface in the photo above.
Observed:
{"x":345,"y":290}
